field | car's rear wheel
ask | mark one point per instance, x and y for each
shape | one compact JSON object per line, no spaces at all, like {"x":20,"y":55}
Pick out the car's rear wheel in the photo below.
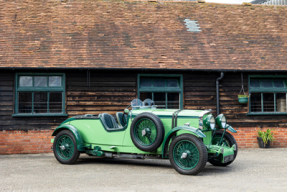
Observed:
{"x":187,"y":154}
{"x":147,"y":132}
{"x":65,"y":147}
{"x":228,"y":140}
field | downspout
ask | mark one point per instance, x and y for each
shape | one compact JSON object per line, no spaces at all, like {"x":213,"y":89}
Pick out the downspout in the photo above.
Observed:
{"x":217,"y":92}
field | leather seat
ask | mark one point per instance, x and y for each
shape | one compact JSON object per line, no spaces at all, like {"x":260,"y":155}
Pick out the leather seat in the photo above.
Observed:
{"x":110,"y":122}
{"x":120,"y":118}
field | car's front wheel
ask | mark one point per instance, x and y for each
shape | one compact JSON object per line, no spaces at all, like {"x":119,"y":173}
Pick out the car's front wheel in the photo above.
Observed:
{"x":228,"y":140}
{"x":187,"y":154}
{"x":65,"y":147}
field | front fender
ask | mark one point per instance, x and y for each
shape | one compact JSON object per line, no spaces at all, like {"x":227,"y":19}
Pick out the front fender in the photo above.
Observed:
{"x":231,"y":129}
{"x":76,"y":133}
{"x":195,"y":131}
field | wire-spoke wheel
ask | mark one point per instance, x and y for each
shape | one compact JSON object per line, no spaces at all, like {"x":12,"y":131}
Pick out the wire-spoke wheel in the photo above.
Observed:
{"x":65,"y":147}
{"x":187,"y":154}
{"x":147,"y":132}
{"x":228,"y":140}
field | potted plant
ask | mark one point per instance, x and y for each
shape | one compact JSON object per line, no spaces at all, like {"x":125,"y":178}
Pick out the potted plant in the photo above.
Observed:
{"x":243,"y":98}
{"x":265,"y":138}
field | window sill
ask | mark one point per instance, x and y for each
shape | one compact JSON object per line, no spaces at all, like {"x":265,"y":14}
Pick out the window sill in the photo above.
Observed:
{"x":41,"y":115}
{"x":268,"y":113}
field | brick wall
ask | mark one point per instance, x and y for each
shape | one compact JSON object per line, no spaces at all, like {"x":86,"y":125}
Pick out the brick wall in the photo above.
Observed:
{"x":33,"y":141}
{"x":39,"y":141}
{"x":246,"y":137}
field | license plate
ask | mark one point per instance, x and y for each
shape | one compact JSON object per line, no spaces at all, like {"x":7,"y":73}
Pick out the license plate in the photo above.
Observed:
{"x":228,"y":158}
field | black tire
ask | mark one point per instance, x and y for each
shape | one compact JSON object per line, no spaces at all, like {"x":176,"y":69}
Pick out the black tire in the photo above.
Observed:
{"x":196,"y":150}
{"x":147,"y":132}
{"x":70,"y":153}
{"x":229,"y":140}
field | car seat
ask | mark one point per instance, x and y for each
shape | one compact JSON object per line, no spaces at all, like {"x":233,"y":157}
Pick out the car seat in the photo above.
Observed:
{"x":120,"y":119}
{"x":109,"y":122}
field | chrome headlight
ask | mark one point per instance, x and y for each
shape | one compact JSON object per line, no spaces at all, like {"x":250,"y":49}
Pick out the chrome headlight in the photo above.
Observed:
{"x":209,"y":122}
{"x":212,"y":123}
{"x":221,"y":121}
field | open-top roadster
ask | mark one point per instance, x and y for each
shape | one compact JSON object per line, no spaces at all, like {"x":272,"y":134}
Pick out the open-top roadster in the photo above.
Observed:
{"x":189,"y":138}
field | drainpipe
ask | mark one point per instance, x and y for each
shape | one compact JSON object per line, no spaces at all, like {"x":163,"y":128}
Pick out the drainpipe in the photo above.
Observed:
{"x":217,"y":92}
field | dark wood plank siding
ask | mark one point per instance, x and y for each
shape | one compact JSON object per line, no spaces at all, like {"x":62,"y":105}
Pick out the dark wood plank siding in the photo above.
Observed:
{"x":112,"y":91}
{"x":7,"y":122}
{"x":200,"y":93}
{"x":109,"y":92}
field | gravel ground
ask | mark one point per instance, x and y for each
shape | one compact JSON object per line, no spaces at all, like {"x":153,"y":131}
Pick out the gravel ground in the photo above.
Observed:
{"x":253,"y":170}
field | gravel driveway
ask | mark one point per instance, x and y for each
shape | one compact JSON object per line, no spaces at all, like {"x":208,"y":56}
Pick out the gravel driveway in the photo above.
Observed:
{"x":253,"y":170}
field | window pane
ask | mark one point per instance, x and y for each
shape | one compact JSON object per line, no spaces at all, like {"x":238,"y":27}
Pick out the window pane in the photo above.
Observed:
{"x":254,"y":83}
{"x":40,"y":81}
{"x":266,"y":83}
{"x":158,"y":82}
{"x":159,"y":99}
{"x":255,"y":100}
{"x":145,"y":82}
{"x":278,"y":83}
{"x":145,"y":95}
{"x":172,"y":83}
{"x":40,"y":102}
{"x":173,"y":100}
{"x":55,"y":81}
{"x":25,"y":81}
{"x":55,"y":102}
{"x":24,"y":102}
{"x":281,"y":102}
{"x":268,"y":102}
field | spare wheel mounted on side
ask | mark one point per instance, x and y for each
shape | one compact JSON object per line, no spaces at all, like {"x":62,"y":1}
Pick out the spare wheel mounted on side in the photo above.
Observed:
{"x":147,"y":132}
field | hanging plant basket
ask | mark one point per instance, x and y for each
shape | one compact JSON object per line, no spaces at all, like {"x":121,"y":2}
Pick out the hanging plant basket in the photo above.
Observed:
{"x":243,"y":98}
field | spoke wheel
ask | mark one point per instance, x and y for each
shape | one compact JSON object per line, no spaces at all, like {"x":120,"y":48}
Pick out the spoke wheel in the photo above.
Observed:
{"x":228,"y":140}
{"x":147,"y":132}
{"x":217,"y":138}
{"x":187,"y":154}
{"x":65,"y":147}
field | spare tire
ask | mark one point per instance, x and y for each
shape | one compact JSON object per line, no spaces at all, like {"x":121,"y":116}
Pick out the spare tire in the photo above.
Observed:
{"x":147,"y":132}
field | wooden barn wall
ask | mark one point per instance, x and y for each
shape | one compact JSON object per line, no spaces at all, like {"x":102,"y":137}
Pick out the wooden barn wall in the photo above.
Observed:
{"x":112,"y":91}
{"x":6,"y":100}
{"x":107,"y":92}
{"x":200,"y":93}
{"x":7,"y":122}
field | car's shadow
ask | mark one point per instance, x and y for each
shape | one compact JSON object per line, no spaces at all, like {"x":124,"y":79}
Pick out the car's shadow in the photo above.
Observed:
{"x":121,"y":161}
{"x":217,"y":169}
{"x":159,"y":163}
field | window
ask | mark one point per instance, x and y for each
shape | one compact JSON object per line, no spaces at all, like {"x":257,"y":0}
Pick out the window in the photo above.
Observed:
{"x":164,"y":90}
{"x":267,"y":95}
{"x":39,"y":95}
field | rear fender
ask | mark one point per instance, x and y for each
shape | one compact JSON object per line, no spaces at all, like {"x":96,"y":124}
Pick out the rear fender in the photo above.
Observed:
{"x":76,"y":133}
{"x":194,"y":131}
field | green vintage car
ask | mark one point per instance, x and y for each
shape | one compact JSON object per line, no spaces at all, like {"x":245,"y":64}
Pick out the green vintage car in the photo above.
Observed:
{"x":189,"y":138}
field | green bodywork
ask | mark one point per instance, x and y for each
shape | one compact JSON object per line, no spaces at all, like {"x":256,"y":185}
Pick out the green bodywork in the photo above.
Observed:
{"x":92,"y":138}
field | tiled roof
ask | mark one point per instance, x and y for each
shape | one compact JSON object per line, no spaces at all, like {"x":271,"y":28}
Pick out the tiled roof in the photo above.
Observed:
{"x":117,"y":34}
